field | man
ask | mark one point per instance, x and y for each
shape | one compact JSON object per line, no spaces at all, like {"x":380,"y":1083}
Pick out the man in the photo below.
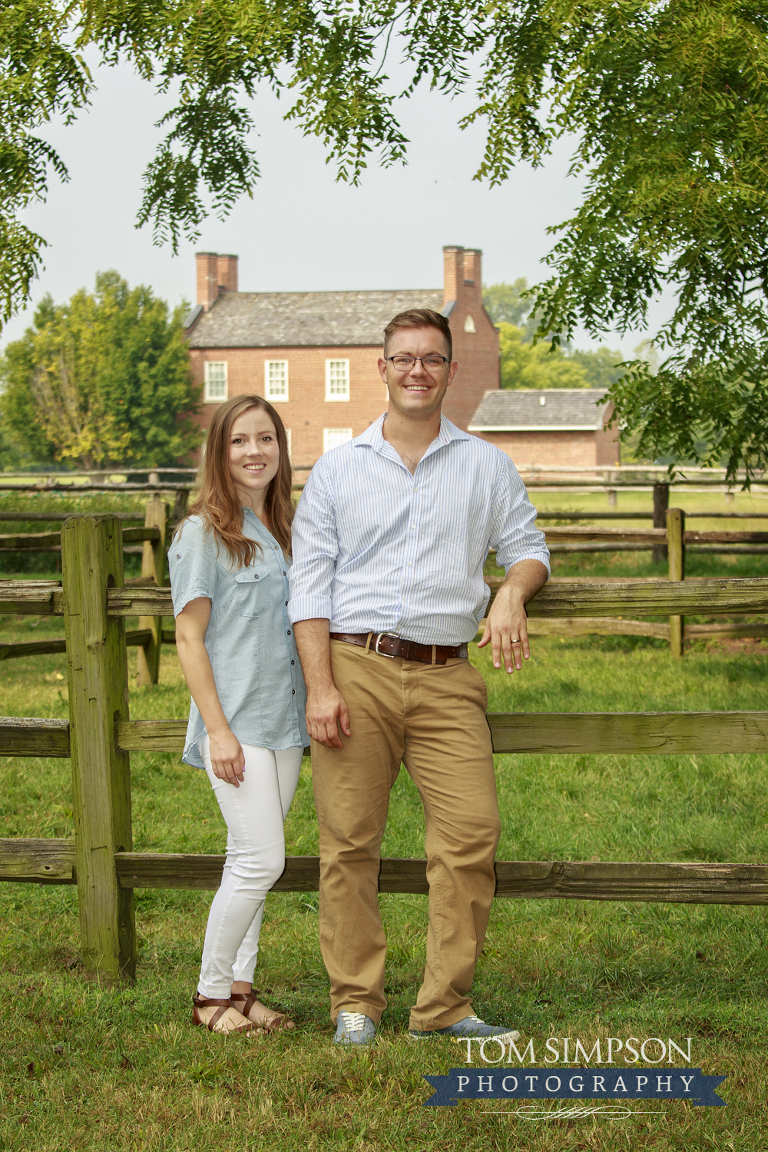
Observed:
{"x":389,"y":541}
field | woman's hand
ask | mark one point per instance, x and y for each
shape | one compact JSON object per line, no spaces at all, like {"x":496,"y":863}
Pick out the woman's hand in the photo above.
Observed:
{"x":227,"y":758}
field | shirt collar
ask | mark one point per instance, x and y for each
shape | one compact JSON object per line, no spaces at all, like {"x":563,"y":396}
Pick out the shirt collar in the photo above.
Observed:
{"x":252,"y":518}
{"x":373,"y":435}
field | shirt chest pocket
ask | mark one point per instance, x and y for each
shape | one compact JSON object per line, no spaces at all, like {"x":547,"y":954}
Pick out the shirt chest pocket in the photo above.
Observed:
{"x":254,"y":590}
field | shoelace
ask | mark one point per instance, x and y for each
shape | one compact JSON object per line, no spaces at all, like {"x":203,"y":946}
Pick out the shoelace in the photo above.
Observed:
{"x":353,"y":1021}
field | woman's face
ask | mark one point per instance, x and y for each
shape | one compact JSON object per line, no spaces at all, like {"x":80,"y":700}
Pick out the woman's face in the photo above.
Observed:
{"x":254,"y":456}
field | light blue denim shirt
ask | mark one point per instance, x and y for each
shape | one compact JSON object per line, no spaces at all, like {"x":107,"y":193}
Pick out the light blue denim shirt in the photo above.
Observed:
{"x":249,"y":639}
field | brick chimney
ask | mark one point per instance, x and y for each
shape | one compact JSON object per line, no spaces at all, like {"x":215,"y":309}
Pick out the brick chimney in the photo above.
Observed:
{"x":453,"y":272}
{"x":463,"y":285}
{"x":475,"y":340}
{"x":472,"y":267}
{"x":228,"y":273}
{"x":215,"y":274}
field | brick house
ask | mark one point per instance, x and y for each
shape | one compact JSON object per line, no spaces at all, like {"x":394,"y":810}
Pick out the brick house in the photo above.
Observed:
{"x":314,"y":353}
{"x":564,"y":427}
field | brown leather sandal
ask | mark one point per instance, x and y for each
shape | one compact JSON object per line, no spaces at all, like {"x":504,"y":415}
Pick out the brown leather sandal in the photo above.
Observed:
{"x":199,"y":1002}
{"x":244,"y":1001}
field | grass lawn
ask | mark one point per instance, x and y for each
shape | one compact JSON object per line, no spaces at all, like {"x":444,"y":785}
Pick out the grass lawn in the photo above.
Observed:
{"x":86,"y":1068}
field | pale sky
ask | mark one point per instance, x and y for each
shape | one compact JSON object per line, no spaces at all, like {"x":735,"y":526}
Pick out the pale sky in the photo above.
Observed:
{"x":301,"y":230}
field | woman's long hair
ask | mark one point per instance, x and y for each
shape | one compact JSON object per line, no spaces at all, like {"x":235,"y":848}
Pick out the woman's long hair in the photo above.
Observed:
{"x":218,"y":503}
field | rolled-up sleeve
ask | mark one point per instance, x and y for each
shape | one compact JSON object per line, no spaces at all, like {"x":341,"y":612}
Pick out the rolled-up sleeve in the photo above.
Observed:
{"x":315,"y":549}
{"x":514,"y":534}
{"x":192,"y":565}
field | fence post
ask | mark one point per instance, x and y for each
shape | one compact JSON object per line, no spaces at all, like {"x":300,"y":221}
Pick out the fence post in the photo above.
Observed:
{"x":92,"y":562}
{"x":152,"y":565}
{"x":676,"y":546}
{"x":180,"y":505}
{"x":660,"y":506}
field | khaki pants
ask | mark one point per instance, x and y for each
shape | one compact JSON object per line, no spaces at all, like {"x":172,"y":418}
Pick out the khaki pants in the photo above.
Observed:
{"x":432,"y":719}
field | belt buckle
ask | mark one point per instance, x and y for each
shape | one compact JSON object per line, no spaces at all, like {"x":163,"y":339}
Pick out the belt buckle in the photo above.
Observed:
{"x":377,"y":650}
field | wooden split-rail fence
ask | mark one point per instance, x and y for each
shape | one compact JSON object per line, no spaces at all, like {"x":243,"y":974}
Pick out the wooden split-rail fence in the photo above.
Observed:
{"x":671,"y":542}
{"x":99,"y":737}
{"x":675,"y":541}
{"x":149,"y":636}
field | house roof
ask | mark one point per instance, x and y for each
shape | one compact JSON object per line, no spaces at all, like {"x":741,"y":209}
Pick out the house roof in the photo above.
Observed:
{"x":304,"y":319}
{"x":541,"y":410}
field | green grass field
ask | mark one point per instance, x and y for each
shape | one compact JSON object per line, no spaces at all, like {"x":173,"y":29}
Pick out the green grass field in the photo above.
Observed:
{"x":92,"y":1069}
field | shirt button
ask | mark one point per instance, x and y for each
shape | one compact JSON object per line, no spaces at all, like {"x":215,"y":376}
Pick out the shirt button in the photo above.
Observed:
{"x":293,"y":661}
{"x":294,"y":692}
{"x":409,"y":564}
{"x":285,"y":573}
{"x":289,"y":631}
{"x":286,"y":603}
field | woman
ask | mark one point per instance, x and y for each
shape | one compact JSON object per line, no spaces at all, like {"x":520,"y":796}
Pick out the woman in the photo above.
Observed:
{"x":229,"y":580}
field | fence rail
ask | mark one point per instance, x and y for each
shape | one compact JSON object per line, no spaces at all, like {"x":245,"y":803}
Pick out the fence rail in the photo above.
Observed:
{"x":53,"y":862}
{"x":684,"y":733}
{"x":643,"y":597}
{"x":51,"y":541}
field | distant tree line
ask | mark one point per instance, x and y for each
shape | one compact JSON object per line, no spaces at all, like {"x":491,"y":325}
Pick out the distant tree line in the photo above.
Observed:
{"x":542,"y":365}
{"x":101,"y":381}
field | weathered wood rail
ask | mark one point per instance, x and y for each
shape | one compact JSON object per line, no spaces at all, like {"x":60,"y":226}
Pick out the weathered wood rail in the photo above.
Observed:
{"x":53,"y":862}
{"x":99,"y":738}
{"x":51,"y":541}
{"x":684,"y":733}
{"x":569,"y":598}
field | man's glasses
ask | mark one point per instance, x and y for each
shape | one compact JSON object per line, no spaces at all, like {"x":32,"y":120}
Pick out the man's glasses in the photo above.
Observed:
{"x":429,"y":363}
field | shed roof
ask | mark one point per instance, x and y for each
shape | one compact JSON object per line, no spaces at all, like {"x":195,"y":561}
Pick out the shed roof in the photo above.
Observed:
{"x":304,"y":319}
{"x":541,"y":410}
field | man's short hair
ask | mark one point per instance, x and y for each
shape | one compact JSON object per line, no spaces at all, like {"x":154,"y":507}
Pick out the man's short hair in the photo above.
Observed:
{"x":419,"y":318}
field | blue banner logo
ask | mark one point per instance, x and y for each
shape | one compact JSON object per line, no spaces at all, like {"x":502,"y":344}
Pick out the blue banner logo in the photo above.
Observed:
{"x":575,"y":1084}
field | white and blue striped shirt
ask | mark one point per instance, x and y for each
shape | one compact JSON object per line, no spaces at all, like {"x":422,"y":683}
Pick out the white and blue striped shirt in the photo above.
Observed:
{"x":378,"y":549}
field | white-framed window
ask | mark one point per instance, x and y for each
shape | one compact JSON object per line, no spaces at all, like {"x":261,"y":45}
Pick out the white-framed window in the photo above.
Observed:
{"x":337,"y":379}
{"x":215,"y":381}
{"x":276,"y":380}
{"x":333,"y":437}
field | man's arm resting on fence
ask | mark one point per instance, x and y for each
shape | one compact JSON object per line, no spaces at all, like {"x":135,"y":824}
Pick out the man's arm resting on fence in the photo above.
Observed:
{"x":326,"y":707}
{"x":227,"y":759}
{"x":506,"y":629}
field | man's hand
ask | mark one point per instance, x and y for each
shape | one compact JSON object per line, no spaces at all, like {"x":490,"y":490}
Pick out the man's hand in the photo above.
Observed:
{"x":506,"y":628}
{"x":326,"y":707}
{"x":326,"y":712}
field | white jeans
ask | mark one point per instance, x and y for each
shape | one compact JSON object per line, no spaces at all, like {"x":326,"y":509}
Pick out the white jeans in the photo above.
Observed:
{"x":254,"y":815}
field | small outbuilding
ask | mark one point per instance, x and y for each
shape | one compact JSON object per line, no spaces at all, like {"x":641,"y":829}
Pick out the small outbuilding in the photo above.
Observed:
{"x":560,"y":427}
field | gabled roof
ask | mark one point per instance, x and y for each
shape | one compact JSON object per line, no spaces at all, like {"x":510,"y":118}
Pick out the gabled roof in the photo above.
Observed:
{"x":304,"y":319}
{"x":541,"y":410}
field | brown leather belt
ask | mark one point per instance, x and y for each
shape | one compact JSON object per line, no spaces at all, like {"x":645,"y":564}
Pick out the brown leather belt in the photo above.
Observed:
{"x":385,"y":644}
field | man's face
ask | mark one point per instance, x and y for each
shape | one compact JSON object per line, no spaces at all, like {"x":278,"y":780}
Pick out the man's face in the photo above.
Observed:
{"x":417,"y":392}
